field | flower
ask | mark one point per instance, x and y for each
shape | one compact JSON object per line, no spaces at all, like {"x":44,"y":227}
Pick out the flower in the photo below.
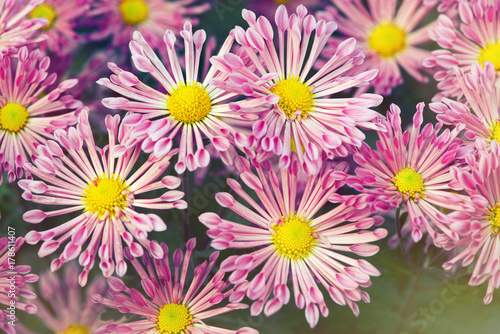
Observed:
{"x":299,"y":113}
{"x":15,"y":30}
{"x":268,"y":8}
{"x":482,"y":118}
{"x":173,"y":305}
{"x":62,"y":16}
{"x":476,"y":42}
{"x":390,"y":36}
{"x":412,"y":168}
{"x":120,"y":18}
{"x":71,"y":309}
{"x":286,"y":239}
{"x":102,"y":186}
{"x":477,"y":220}
{"x":190,"y":109}
{"x":10,"y":289}
{"x":30,"y":111}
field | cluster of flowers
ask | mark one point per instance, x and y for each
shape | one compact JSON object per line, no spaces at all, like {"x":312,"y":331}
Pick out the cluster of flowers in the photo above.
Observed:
{"x":271,"y":105}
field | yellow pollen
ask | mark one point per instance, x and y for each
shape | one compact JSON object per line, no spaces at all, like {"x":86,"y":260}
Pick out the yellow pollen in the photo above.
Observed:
{"x":294,"y":238}
{"x":408,"y":181}
{"x":495,"y":131}
{"x":491,"y":53}
{"x":134,"y":11}
{"x":387,"y":40}
{"x":174,"y":319}
{"x":46,"y":12}
{"x":105,"y":194}
{"x":495,"y":219}
{"x":13,"y":117}
{"x":76,"y":329}
{"x":189,"y":103}
{"x":294,"y":95}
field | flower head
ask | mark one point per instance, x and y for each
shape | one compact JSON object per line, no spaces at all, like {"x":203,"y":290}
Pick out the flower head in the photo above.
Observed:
{"x":174,"y":305}
{"x":299,"y":112}
{"x":288,"y":239}
{"x":30,"y":111}
{"x":102,"y":185}
{"x":191,"y":108}
{"x":389,"y":34}
{"x":11,"y":290}
{"x":412,"y":168}
{"x":120,"y":18}
{"x":477,"y":41}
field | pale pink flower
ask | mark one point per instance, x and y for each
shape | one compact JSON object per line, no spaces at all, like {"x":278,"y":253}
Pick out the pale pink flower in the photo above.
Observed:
{"x":62,"y":16}
{"x":64,"y":307}
{"x":480,"y":111}
{"x":120,"y":18}
{"x":172,"y":305}
{"x":11,"y":290}
{"x":390,"y":33}
{"x":475,"y":39}
{"x":190,"y":106}
{"x":29,"y":111}
{"x":103,"y":186}
{"x":15,"y":30}
{"x":300,"y":111}
{"x":477,"y":220}
{"x":286,"y":239}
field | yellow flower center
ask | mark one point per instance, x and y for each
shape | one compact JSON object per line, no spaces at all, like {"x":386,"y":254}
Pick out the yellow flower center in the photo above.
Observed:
{"x":495,"y":219}
{"x":491,"y":53}
{"x":294,"y":95}
{"x":294,"y":238}
{"x":189,"y":103}
{"x":76,"y":330}
{"x":105,"y":194}
{"x":495,"y":131}
{"x":46,"y":12}
{"x":174,"y":319}
{"x":409,"y":181}
{"x":387,"y":40}
{"x":134,"y":11}
{"x":13,"y":117}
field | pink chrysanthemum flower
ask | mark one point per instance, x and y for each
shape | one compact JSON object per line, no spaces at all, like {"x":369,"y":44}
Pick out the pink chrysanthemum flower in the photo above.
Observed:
{"x":293,"y":242}
{"x":15,"y":30}
{"x":191,"y":108}
{"x":173,"y":306}
{"x":477,"y":220}
{"x":300,"y":113}
{"x":29,"y":112}
{"x":11,"y":290}
{"x":481,"y":112}
{"x":120,"y":18}
{"x":62,"y":16}
{"x":390,"y":33}
{"x":476,"y":42}
{"x":412,"y":168}
{"x":64,"y":307}
{"x":102,"y":185}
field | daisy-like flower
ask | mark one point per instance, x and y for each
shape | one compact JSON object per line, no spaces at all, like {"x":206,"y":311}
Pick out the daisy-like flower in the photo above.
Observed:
{"x":11,"y":289}
{"x":301,"y":115}
{"x":29,"y":112}
{"x":390,"y":33}
{"x":412,"y":168}
{"x":102,"y":185}
{"x":480,"y":113}
{"x":172,"y":305}
{"x":71,"y":310}
{"x":293,"y":242}
{"x":15,"y":30}
{"x":190,"y":109}
{"x":62,"y":16}
{"x":475,"y":42}
{"x":477,"y":220}
{"x":120,"y":18}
